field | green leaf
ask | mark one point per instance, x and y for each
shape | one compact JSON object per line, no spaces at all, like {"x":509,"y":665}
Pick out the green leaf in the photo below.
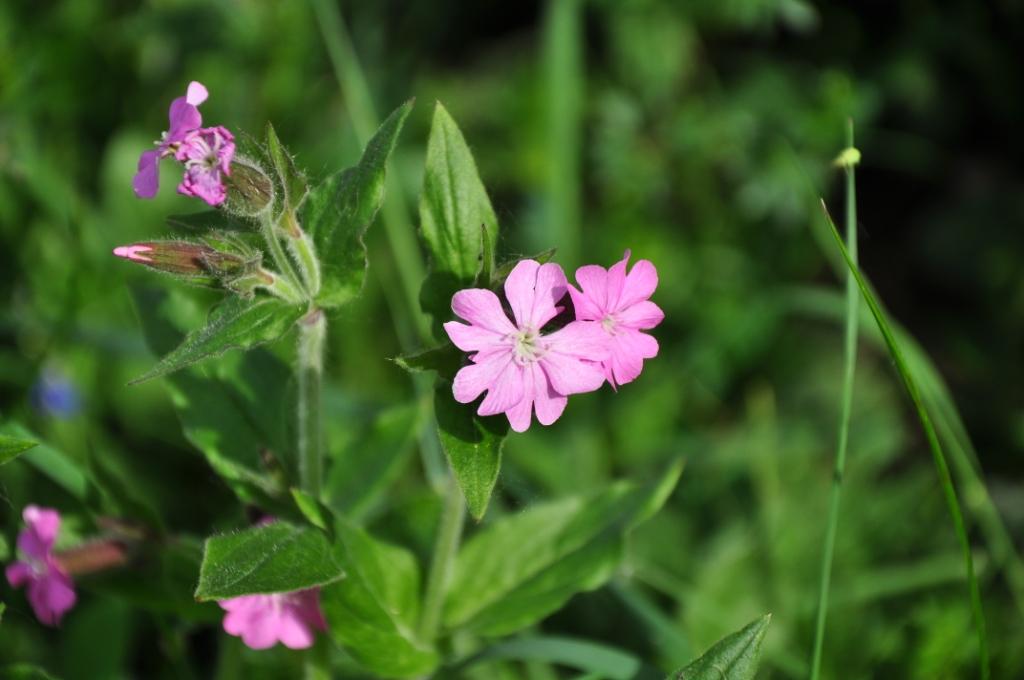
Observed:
{"x":473,"y":446}
{"x":12,"y":447}
{"x":938,"y":456}
{"x":273,"y":558}
{"x":2,"y":608}
{"x":525,"y":566}
{"x":24,"y":671}
{"x":233,"y":324}
{"x":734,"y":657}
{"x":315,"y":512}
{"x":456,"y":218}
{"x":445,"y":360}
{"x":601,"y":660}
{"x":292,"y":181}
{"x":55,"y":464}
{"x":238,"y":417}
{"x":362,"y":471}
{"x":372,"y":611}
{"x":338,"y":212}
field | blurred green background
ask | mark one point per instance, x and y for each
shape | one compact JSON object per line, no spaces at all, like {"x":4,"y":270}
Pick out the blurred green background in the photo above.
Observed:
{"x":699,"y":134}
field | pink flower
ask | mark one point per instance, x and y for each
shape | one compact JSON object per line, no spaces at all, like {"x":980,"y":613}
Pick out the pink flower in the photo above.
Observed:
{"x":184,"y":118}
{"x":207,"y":155}
{"x":50,"y":591}
{"x":619,"y":301}
{"x":264,"y":620}
{"x":523,"y":370}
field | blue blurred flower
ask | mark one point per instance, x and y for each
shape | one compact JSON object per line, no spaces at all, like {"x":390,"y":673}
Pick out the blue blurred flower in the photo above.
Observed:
{"x":54,"y":395}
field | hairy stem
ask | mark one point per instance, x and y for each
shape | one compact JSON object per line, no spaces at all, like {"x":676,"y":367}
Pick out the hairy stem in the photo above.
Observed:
{"x":309,"y":371}
{"x":302,"y":248}
{"x":449,"y":533}
{"x":277,"y":254}
{"x":849,"y":369}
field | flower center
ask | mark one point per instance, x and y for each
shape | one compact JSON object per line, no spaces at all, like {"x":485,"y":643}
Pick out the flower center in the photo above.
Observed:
{"x":609,"y":323}
{"x":527,"y":346}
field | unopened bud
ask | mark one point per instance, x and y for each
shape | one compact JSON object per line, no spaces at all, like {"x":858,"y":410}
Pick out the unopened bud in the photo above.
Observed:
{"x":184,"y":259}
{"x":250,"y":189}
{"x":92,"y":557}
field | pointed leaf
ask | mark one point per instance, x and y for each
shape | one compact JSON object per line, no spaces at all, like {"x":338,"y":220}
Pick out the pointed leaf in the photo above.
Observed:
{"x":473,"y":446}
{"x":525,"y":566}
{"x":373,"y":610}
{"x":291,"y":180}
{"x":339,"y":210}
{"x":12,"y":447}
{"x":273,"y":558}
{"x":233,"y":324}
{"x":65,"y":471}
{"x":734,"y":657}
{"x":237,"y":416}
{"x":458,"y":223}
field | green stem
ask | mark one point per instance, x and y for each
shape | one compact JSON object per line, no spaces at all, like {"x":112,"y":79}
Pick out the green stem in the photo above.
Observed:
{"x":449,"y":533}
{"x":850,"y":365}
{"x":309,"y":371}
{"x":277,"y":254}
{"x":280,"y":286}
{"x":304,"y":251}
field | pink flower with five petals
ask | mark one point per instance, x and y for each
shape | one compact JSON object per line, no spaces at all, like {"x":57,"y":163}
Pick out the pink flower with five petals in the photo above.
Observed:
{"x":49,"y":588}
{"x":184,"y":118}
{"x":620,"y":303}
{"x":523,"y":370}
{"x":264,"y":620}
{"x":207,"y":155}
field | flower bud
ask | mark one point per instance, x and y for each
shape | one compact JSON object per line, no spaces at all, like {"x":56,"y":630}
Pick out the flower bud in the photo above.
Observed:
{"x":194,"y":261}
{"x":250,"y":189}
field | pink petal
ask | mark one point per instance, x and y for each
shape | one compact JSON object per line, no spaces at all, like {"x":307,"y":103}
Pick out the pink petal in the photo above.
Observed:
{"x":472,"y":338}
{"x":533,"y":291}
{"x":629,"y":349}
{"x":471,"y":381}
{"x":293,"y":631}
{"x":586,"y":308}
{"x":593,"y":280}
{"x":18,"y":573}
{"x":640,"y":284}
{"x":520,"y":415}
{"x":307,"y":604}
{"x":571,"y":375}
{"x":45,"y":522}
{"x":196,"y":93}
{"x":548,"y":404}
{"x":147,"y":179}
{"x":616,"y":282}
{"x":242,"y":603}
{"x":583,"y":339}
{"x":642,"y":315}
{"x":51,"y":597}
{"x":505,"y":391}
{"x":519,"y":290}
{"x":482,"y":308}
{"x":183,"y":118}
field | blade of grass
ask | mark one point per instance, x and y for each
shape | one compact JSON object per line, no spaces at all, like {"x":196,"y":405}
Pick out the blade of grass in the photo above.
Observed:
{"x":591,"y":657}
{"x":849,"y":370}
{"x":563,"y":64}
{"x":910,"y":384}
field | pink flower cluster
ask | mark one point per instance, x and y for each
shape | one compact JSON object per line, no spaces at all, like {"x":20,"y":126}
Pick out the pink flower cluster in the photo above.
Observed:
{"x":526,"y":371}
{"x":50,"y":590}
{"x":206,"y":153}
{"x":264,"y":620}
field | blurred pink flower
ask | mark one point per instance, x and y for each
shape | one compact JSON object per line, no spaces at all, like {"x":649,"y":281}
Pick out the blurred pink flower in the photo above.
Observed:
{"x":50,"y":590}
{"x":264,"y":620}
{"x":207,"y":155}
{"x":619,"y":302}
{"x":184,"y":117}
{"x":522,"y":370}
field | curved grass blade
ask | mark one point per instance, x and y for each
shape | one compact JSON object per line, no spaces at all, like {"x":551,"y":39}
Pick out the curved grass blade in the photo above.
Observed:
{"x":601,"y":660}
{"x":910,"y":384}
{"x":849,"y":371}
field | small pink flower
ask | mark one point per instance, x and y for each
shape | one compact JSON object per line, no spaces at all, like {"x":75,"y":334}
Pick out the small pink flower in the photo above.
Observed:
{"x":207,"y":155}
{"x":523,"y":370}
{"x":264,"y":620}
{"x":184,"y":117}
{"x":50,"y":591}
{"x":619,"y":302}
